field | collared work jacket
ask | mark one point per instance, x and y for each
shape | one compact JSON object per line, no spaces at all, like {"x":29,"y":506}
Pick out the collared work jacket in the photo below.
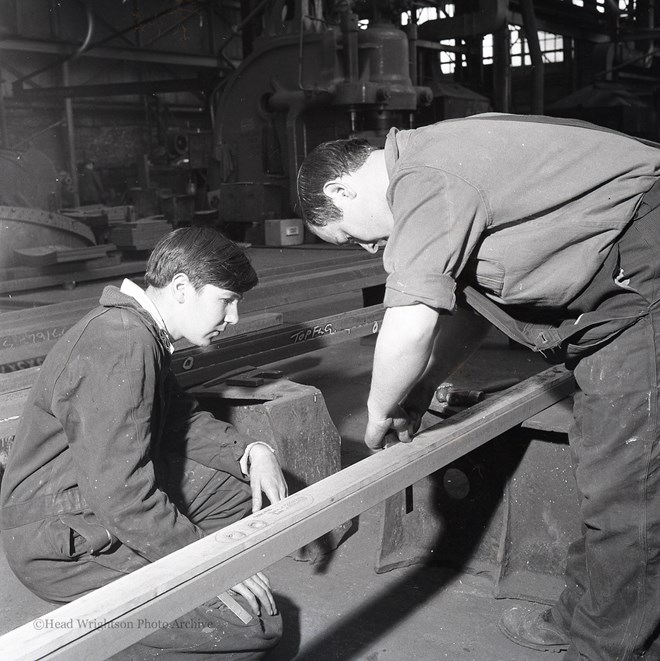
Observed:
{"x":105,"y":411}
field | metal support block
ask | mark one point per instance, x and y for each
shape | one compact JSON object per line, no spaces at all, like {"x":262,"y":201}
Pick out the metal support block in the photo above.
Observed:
{"x":290,"y":417}
{"x":508,"y":508}
{"x":540,"y":520}
{"x":451,"y":518}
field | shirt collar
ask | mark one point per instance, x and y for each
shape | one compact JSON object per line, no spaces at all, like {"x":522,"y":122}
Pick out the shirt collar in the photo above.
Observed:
{"x":392,"y":150}
{"x":129,"y":288}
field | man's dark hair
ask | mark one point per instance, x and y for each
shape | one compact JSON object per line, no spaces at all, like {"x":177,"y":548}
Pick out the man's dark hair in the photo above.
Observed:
{"x":205,"y":255}
{"x":324,"y":163}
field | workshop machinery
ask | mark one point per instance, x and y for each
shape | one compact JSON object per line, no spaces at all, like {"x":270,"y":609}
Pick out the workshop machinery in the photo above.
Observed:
{"x":321,"y":69}
{"x":318,"y":72}
{"x":304,"y":71}
{"x":22,"y":227}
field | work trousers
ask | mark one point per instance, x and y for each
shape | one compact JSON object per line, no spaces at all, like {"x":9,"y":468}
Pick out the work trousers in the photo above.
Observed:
{"x":210,"y":499}
{"x":611,"y":604}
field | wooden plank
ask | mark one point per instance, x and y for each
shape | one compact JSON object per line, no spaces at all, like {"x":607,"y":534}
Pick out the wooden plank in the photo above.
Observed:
{"x":113,"y":617}
{"x":13,"y":336}
{"x":119,"y":213}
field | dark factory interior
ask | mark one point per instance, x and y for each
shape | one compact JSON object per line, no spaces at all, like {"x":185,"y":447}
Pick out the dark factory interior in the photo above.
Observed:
{"x":123,"y":120}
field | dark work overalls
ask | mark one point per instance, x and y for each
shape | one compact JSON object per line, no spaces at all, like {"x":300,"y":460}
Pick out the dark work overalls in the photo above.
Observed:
{"x":611,"y":604}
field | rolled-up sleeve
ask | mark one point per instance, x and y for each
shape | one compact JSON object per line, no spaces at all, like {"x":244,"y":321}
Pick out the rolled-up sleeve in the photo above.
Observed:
{"x":438,"y":220}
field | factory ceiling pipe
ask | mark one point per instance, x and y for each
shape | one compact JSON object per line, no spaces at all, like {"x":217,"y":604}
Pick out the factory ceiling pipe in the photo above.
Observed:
{"x":18,"y":84}
{"x":488,"y":18}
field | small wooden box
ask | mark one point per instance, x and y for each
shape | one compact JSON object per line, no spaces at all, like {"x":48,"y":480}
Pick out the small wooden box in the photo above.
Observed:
{"x":283,"y":232}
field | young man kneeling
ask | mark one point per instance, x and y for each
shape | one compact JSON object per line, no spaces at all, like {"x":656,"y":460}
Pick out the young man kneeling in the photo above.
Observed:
{"x":114,"y":466}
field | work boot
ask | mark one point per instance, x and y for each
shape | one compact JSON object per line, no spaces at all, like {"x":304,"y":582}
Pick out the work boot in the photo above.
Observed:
{"x":529,"y":628}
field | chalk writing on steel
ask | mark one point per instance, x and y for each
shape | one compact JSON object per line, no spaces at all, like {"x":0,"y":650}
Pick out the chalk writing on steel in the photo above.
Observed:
{"x":34,"y":337}
{"x":312,"y":333}
{"x":188,"y":363}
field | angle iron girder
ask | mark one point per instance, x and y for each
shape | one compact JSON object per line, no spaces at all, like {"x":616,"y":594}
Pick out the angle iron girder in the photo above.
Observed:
{"x":196,"y":365}
{"x":276,"y":290}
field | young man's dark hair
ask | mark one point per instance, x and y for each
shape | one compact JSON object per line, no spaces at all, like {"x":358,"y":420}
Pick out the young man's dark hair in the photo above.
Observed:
{"x":205,"y":255}
{"x":324,"y":163}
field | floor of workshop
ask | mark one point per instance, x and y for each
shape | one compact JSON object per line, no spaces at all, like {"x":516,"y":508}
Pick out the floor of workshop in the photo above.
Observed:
{"x":340,"y":609}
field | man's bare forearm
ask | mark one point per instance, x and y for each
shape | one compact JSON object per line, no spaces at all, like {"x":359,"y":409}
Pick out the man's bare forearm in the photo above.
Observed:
{"x":459,"y":336}
{"x":403,"y":349}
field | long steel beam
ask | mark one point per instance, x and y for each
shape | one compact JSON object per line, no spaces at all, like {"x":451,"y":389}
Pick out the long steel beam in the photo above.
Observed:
{"x":113,"y":617}
{"x":198,"y":365}
{"x":26,"y":336}
{"x":194,"y":365}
